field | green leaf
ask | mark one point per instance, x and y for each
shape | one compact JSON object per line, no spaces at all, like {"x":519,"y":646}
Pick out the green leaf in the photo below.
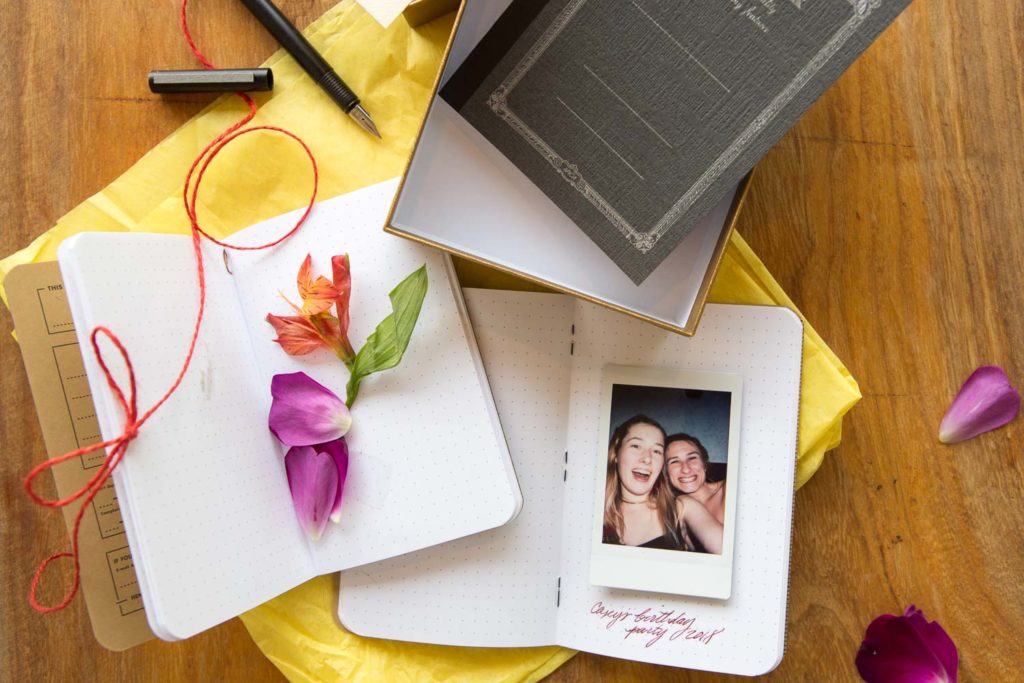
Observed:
{"x":384,"y":348}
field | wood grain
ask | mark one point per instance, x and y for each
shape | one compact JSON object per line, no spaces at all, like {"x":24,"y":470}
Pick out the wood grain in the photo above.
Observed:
{"x":892,"y":214}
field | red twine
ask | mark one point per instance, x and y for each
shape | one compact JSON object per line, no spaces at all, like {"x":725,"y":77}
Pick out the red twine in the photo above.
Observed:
{"x":132,"y":421}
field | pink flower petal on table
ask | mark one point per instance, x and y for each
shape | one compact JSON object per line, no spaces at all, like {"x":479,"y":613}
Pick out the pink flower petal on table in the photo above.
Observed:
{"x":304,"y":412}
{"x":338,"y":451}
{"x":986,"y":401}
{"x":907,"y":649}
{"x":313,"y":482}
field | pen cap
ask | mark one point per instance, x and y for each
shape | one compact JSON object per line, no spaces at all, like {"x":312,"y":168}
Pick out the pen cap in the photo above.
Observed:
{"x":211,"y":80}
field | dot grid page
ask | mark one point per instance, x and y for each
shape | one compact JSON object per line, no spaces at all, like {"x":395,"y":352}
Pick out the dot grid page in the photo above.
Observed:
{"x":428,"y":462}
{"x":499,"y":588}
{"x":764,"y":345}
{"x":493,"y":589}
{"x":202,"y":488}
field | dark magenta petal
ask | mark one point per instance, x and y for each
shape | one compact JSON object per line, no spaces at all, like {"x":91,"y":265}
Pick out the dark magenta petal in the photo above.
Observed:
{"x":338,"y":451}
{"x":906,"y":649}
{"x":313,"y":481}
{"x":985,"y":402}
{"x":304,"y":412}
{"x":938,"y":640}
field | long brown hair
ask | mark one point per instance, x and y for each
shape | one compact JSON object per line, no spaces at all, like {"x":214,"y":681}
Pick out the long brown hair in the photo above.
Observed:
{"x":661,"y":494}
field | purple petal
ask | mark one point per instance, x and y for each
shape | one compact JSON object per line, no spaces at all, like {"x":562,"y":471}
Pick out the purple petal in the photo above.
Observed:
{"x":338,"y":450}
{"x":906,"y":649}
{"x":313,"y":481}
{"x":305,"y":412}
{"x":986,"y":401}
{"x":937,"y":638}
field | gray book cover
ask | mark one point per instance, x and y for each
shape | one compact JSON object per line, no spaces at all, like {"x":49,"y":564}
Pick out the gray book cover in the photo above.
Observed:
{"x":636,"y":116}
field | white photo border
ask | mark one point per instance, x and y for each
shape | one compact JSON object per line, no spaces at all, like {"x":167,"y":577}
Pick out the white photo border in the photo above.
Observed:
{"x":657,"y":570}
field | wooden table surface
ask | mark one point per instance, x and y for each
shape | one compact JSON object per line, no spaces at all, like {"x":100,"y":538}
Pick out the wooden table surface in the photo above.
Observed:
{"x":893,"y":214}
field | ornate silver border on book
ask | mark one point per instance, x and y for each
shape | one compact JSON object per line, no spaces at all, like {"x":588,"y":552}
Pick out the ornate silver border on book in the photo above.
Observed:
{"x":643,"y":241}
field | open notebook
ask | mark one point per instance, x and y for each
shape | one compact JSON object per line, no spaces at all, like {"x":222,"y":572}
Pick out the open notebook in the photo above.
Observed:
{"x":203,"y":490}
{"x":529,"y":582}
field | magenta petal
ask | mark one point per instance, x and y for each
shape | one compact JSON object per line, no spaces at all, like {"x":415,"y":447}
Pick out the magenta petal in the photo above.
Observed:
{"x":313,"y":481}
{"x":940,"y":642}
{"x":906,"y":649}
{"x":338,"y":450}
{"x":986,"y":401}
{"x":304,"y":412}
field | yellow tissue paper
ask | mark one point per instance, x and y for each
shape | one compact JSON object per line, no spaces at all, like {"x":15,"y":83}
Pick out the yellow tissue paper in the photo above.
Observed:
{"x":264,"y":174}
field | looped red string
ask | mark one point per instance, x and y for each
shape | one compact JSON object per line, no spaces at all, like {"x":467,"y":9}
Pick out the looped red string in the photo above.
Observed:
{"x":117,"y":447}
{"x":133,"y":422}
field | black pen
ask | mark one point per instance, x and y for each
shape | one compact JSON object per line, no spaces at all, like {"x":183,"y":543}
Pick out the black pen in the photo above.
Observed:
{"x":310,"y":60}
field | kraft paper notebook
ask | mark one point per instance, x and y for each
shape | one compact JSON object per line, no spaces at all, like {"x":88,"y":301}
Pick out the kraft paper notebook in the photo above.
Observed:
{"x":539,"y":580}
{"x":67,"y":415}
{"x":202,"y":490}
{"x":637,"y":117}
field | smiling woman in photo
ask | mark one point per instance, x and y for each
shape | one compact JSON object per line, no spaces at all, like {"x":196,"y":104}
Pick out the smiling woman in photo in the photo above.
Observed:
{"x":637,"y":501}
{"x":687,"y":468}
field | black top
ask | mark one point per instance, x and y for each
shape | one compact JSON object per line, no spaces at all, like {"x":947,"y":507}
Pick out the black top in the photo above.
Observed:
{"x":664,"y":542}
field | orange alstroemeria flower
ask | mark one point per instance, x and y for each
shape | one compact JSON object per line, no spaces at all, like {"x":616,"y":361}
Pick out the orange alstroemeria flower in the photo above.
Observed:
{"x":317,"y":295}
{"x":295,"y":334}
{"x":314,"y":326}
{"x":343,"y":285}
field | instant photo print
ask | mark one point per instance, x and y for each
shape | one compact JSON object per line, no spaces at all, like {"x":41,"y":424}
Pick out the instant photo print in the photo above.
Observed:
{"x":665,"y":498}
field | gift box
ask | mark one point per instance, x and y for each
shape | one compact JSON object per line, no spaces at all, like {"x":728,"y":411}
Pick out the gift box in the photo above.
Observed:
{"x":462,"y":195}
